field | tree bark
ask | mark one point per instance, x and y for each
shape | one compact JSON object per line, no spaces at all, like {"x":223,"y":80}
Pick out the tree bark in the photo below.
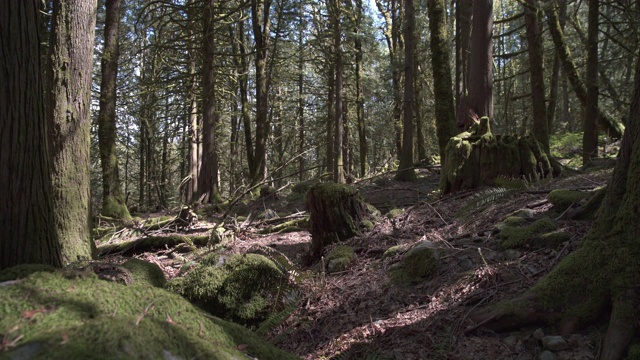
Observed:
{"x":612,"y":126}
{"x":362,"y":135}
{"x":338,"y":167}
{"x":406,"y":171}
{"x":113,"y":204}
{"x":464,"y":14}
{"x":480,"y":89}
{"x":442,"y":87}
{"x":208,"y":188}
{"x":590,"y":127}
{"x":69,"y":100}
{"x":26,"y":200}
{"x":536,"y":61}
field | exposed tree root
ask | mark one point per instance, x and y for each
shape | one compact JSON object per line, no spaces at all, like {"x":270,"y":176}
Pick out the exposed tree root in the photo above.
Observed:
{"x":622,"y":326}
{"x":513,"y":314}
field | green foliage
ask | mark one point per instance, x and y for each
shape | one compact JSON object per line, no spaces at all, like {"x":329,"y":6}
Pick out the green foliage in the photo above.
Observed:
{"x":49,"y":316}
{"x":484,"y":198}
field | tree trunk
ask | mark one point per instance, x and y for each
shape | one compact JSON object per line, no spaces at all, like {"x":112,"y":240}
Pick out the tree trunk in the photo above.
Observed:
{"x":260,"y":12}
{"x":464,"y":14}
{"x":612,"y":126}
{"x":590,"y":129}
{"x":69,"y":99}
{"x":362,"y":135}
{"x":208,"y":190}
{"x":301,"y":122}
{"x":338,"y":168}
{"x":113,"y":204}
{"x":480,"y":89}
{"x":536,"y":61}
{"x":27,"y":222}
{"x":443,"y":93}
{"x":330,"y":124}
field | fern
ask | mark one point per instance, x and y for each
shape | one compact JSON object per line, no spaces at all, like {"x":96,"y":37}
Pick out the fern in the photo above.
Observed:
{"x":486,"y":197}
{"x":277,"y":318}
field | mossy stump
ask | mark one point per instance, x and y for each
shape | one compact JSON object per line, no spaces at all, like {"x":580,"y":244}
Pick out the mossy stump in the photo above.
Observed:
{"x":476,"y":158}
{"x":336,"y":213}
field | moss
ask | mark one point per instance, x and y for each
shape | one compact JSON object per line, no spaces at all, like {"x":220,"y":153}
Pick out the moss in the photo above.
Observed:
{"x":417,"y":265}
{"x":302,"y":187}
{"x":236,"y":288}
{"x":552,"y":239}
{"x":513,"y":237}
{"x":23,"y":270}
{"x":151,"y":242}
{"x":339,"y":258}
{"x":393,"y":251}
{"x":634,"y":352}
{"x":588,"y":210}
{"x":562,"y":198}
{"x":52,"y":317}
{"x":367,"y":225}
{"x":394,"y":212}
{"x":116,"y":209}
{"x":375,"y":213}
{"x":145,"y":272}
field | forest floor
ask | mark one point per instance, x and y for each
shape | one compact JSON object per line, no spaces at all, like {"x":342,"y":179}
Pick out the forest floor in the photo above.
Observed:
{"x":360,"y":314}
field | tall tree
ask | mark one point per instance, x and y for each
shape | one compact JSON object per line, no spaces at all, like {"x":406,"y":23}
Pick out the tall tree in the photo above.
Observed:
{"x":113,"y":202}
{"x":613,"y":126}
{"x":208,"y":182}
{"x":362,"y":136}
{"x":261,"y":24}
{"x":69,"y":100}
{"x":442,"y":87}
{"x":338,"y":113}
{"x":590,"y":127}
{"x":480,"y":87}
{"x":464,"y":14}
{"x":26,"y":201}
{"x":536,"y":61}
{"x":406,"y":172}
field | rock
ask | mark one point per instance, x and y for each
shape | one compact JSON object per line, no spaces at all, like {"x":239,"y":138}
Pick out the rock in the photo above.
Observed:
{"x":417,"y":264}
{"x":547,"y":355}
{"x":339,"y":258}
{"x":563,"y":198}
{"x":554,"y":343}
{"x":510,"y":341}
{"x":538,"y":334}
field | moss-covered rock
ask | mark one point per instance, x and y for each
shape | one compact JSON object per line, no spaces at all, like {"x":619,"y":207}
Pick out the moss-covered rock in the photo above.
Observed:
{"x":563,"y":198}
{"x":339,"y":258}
{"x":509,"y":221}
{"x":238,"y":287}
{"x":367,"y":225}
{"x":145,"y":272}
{"x":393,"y":251}
{"x":517,"y":236}
{"x":552,"y":239}
{"x":23,"y":270}
{"x":417,"y":264}
{"x":394,"y":212}
{"x":373,"y":211}
{"x":49,"y":316}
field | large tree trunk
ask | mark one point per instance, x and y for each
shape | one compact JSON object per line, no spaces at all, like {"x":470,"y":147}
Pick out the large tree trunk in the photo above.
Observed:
{"x":590,"y":127}
{"x":113,"y":203}
{"x":208,"y":191}
{"x":603,"y":271}
{"x":26,"y":201}
{"x":69,"y":99}
{"x":300,"y":114}
{"x":260,"y":17}
{"x":406,"y":172}
{"x":338,"y":166}
{"x":536,"y":61}
{"x":362,"y":135}
{"x":480,"y":90}
{"x":464,"y":14}
{"x":612,"y":126}
{"x":443,"y":93}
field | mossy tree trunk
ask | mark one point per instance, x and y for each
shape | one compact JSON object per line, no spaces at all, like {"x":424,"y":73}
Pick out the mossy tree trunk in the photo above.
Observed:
{"x":69,"y":98}
{"x":26,"y":202}
{"x":476,"y":158}
{"x":604,"y":271}
{"x":443,"y":93}
{"x":590,"y":124}
{"x":113,"y":204}
{"x":336,"y":212}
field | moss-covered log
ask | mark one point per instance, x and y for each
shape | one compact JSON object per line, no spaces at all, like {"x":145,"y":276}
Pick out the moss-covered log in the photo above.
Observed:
{"x":152,"y":242}
{"x":336,"y":212}
{"x":476,"y":158}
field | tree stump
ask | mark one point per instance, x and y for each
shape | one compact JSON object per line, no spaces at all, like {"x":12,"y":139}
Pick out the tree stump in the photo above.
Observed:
{"x":476,"y":158}
{"x":336,"y":213}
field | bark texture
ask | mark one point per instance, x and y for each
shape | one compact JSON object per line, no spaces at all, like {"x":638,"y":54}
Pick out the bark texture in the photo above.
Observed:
{"x":113,"y":204}
{"x":590,"y":127}
{"x":26,"y":202}
{"x":69,"y":99}
{"x":480,"y":90}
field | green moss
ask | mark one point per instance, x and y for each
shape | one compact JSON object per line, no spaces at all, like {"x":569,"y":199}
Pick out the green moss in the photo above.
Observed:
{"x":552,"y":239}
{"x":115,"y":208}
{"x":145,"y":272}
{"x":562,"y":198}
{"x":593,"y":204}
{"x":236,"y":288}
{"x":339,"y":258}
{"x":393,"y":251}
{"x":53,"y":317}
{"x":514,"y":236}
{"x":23,"y":270}
{"x":634,"y":352}
{"x":417,"y":265}
{"x":394,"y":212}
{"x":367,"y":225}
{"x":375,"y":213}
{"x":302,"y":187}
